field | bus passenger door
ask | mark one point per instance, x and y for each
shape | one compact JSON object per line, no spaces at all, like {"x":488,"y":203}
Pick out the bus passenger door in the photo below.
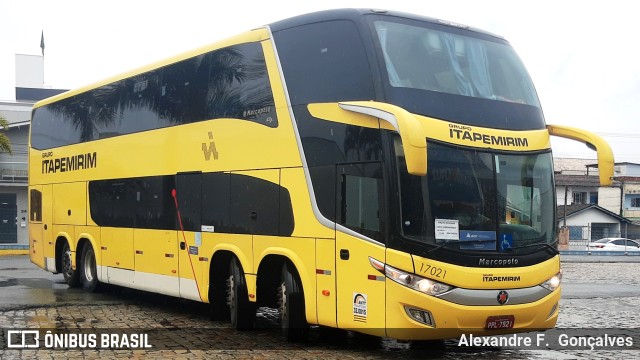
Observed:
{"x":189,"y":199}
{"x":48,"y":242}
{"x":360,"y":287}
{"x":40,"y":242}
{"x":154,"y":239}
{"x":36,"y":227}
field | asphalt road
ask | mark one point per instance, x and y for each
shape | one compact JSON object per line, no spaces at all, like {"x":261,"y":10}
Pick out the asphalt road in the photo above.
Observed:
{"x":604,"y":296}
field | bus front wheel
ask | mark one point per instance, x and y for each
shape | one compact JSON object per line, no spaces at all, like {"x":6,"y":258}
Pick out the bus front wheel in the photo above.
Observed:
{"x":291,"y":303}
{"x":71,"y":276}
{"x":241,"y":311}
{"x":88,"y":273}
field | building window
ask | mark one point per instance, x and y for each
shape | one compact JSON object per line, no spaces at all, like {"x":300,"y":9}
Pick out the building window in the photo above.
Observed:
{"x":593,"y":198}
{"x":580,"y":198}
{"x":635,"y":202}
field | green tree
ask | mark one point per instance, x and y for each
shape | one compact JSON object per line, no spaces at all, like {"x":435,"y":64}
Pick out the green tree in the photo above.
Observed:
{"x":5,"y":144}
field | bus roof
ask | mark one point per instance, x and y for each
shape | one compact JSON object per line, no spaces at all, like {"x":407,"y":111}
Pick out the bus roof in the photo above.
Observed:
{"x":356,"y":15}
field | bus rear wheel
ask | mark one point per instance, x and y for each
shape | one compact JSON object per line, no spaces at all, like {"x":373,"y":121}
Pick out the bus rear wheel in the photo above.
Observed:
{"x":88,"y":272}
{"x":291,"y":304}
{"x":71,"y":276}
{"x":241,"y":311}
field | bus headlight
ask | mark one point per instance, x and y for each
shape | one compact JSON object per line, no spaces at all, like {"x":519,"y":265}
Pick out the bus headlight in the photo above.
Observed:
{"x":553,"y":282}
{"x":424,"y":285}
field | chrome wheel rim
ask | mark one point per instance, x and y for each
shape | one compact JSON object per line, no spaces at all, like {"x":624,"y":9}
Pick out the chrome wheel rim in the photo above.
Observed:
{"x":89,"y":265}
{"x":282,"y":296}
{"x":231,"y":295}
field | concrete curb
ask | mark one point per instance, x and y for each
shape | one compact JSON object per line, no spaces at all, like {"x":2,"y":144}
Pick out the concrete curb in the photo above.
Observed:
{"x":14,"y":249}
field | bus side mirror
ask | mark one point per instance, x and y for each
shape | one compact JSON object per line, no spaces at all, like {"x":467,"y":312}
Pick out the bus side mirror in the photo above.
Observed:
{"x":414,"y":141}
{"x":593,"y":141}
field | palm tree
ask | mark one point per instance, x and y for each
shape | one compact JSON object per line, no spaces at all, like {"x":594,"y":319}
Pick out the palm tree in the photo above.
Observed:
{"x":5,"y":144}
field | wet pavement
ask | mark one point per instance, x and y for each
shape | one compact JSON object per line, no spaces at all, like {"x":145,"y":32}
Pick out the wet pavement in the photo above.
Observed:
{"x":596,"y":295}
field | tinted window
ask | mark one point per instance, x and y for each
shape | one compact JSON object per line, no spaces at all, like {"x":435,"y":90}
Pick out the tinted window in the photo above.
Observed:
{"x":327,"y":143}
{"x":360,"y":195}
{"x":215,"y":201}
{"x":426,"y":71}
{"x":239,"y":204}
{"x":155,"y":207}
{"x":189,"y":199}
{"x":139,"y":202}
{"x":226,"y":83}
{"x":324,"y":62}
{"x":230,"y":203}
{"x":113,"y":202}
{"x":254,"y":206}
{"x":35,"y":205}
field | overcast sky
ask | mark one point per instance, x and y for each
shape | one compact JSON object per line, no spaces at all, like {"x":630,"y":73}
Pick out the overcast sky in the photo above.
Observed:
{"x":583,"y":56}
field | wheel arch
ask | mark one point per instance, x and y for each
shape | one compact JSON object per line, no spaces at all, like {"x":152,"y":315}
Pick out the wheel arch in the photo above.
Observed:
{"x":271,"y":262}
{"x":61,"y":238}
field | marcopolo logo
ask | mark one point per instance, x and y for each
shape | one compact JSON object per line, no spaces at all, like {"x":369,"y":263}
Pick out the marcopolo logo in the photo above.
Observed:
{"x":497,"y":262}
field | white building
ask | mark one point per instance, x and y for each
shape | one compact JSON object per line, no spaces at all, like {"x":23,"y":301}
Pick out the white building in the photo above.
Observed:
{"x":13,"y":167}
{"x":593,"y":211}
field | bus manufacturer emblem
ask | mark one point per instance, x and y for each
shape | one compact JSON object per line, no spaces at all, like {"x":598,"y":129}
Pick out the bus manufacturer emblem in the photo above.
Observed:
{"x":503,"y":297}
{"x":211,"y":149}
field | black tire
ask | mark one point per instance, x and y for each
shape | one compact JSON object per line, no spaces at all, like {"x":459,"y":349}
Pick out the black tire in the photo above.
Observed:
{"x":71,"y":276}
{"x":218,"y":295}
{"x":241,"y":311}
{"x":87,"y":269}
{"x":291,"y":304}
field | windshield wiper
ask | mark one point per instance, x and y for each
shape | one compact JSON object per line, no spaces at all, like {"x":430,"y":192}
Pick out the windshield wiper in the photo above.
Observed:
{"x":458,"y":242}
{"x":549,"y":246}
{"x":446,"y":243}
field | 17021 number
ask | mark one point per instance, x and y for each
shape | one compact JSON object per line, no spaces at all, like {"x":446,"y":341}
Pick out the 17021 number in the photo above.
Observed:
{"x":433,"y":271}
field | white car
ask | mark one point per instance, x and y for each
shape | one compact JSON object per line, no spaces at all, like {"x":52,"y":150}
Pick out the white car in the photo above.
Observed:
{"x":614,"y":244}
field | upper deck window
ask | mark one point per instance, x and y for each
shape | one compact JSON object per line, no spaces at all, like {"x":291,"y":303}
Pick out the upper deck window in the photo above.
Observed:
{"x":324,"y":62}
{"x":428,"y":59}
{"x":226,"y":83}
{"x":454,"y":74}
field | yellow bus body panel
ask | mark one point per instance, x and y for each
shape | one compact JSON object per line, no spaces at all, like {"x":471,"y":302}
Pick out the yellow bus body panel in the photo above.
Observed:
{"x":306,"y":223}
{"x":70,"y":203}
{"x":156,"y":251}
{"x":117,"y":248}
{"x":326,"y":282}
{"x":481,"y":278}
{"x":451,"y":320}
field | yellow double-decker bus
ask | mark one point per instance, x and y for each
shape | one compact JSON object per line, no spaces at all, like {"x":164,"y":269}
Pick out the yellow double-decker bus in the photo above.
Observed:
{"x":379,"y":172}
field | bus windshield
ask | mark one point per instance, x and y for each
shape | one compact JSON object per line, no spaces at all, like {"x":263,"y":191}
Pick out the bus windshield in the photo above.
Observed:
{"x":465,"y":191}
{"x":456,"y":64}
{"x":454,"y":74}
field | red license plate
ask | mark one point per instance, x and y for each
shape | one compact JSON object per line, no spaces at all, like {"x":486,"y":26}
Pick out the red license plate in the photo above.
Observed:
{"x":500,"y":322}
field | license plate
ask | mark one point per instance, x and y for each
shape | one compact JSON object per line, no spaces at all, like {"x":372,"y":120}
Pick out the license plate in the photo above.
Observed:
{"x":500,"y":322}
